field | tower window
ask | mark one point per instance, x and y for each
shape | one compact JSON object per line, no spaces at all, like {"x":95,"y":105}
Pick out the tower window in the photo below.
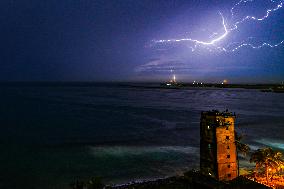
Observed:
{"x":227,"y":137}
{"x":228,"y":156}
{"x":227,"y":128}
{"x":229,"y":175}
{"x":228,"y":147}
{"x":229,"y":166}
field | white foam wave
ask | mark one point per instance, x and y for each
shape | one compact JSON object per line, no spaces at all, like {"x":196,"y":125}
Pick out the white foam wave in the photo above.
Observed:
{"x":272,"y":143}
{"x":141,"y":150}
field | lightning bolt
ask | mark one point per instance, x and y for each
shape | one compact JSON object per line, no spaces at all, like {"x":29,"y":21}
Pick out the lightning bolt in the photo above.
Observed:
{"x":252,"y":17}
{"x":257,"y":47}
{"x":200,"y":42}
{"x":216,"y":38}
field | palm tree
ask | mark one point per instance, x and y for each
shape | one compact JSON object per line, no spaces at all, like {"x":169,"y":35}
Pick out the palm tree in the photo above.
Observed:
{"x":258,"y":158}
{"x":241,"y":147}
{"x":268,"y":158}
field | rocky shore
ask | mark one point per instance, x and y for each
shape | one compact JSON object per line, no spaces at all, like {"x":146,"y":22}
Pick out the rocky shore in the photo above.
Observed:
{"x":190,"y":180}
{"x":193,"y":180}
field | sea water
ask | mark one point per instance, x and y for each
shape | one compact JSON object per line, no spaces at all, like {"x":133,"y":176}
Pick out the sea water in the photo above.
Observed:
{"x":52,"y":134}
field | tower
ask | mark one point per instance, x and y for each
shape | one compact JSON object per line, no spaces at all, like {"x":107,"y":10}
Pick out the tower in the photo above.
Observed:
{"x":218,"y":153}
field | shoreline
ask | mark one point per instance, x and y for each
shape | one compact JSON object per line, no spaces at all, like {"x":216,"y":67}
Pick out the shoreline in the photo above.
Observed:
{"x":190,"y":179}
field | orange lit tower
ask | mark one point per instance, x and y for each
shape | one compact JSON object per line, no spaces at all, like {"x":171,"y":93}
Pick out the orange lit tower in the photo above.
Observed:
{"x":218,"y":153}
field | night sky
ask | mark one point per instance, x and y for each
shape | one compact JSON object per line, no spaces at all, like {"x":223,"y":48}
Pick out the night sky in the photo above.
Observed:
{"x":116,"y":40}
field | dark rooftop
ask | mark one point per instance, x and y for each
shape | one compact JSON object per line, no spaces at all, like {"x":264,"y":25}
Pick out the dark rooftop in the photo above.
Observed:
{"x":225,"y":113}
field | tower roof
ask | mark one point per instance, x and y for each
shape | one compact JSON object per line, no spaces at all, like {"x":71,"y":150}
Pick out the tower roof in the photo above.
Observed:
{"x":218,"y":113}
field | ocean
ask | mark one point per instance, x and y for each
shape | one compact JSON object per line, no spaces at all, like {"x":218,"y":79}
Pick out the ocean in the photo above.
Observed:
{"x":54,"y":133}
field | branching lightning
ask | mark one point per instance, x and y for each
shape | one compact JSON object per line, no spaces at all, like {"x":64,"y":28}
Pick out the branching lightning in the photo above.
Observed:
{"x":253,"y":17}
{"x":201,"y":42}
{"x":215,"y":39}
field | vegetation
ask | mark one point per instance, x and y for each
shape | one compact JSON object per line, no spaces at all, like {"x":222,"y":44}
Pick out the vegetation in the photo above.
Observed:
{"x":265,"y":159}
{"x":268,"y":159}
{"x":241,"y":147}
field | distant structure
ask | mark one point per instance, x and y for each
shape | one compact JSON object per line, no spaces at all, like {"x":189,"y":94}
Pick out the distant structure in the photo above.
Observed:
{"x":172,"y":81}
{"x":225,"y":81}
{"x":218,"y":153}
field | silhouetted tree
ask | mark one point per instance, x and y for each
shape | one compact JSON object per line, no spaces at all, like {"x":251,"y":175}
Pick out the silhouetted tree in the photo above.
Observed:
{"x":241,"y":147}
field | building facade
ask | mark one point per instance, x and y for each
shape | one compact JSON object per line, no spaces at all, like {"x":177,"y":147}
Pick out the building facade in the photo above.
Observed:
{"x":218,"y":153}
